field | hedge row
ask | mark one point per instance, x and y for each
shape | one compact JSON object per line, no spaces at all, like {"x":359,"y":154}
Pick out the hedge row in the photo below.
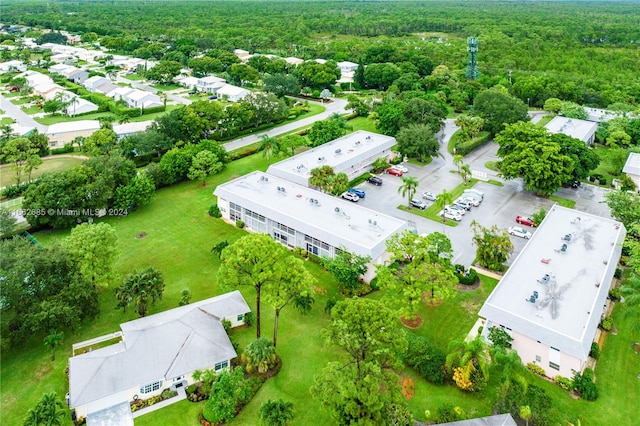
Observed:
{"x":464,"y":148}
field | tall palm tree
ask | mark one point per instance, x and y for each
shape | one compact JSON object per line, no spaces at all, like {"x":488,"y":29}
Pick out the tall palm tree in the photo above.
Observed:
{"x":472,"y":359}
{"x":52,"y":340}
{"x":408,"y":188}
{"x":48,"y":411}
{"x":442,"y":199}
{"x":457,"y":161}
{"x":465,"y":172}
{"x":276,"y":412}
{"x":269,"y":146}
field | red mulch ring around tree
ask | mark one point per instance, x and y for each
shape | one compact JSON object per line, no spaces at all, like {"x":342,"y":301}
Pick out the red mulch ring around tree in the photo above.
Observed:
{"x":470,"y":287}
{"x":408,"y":388}
{"x":412,"y":323}
{"x":141,"y":235}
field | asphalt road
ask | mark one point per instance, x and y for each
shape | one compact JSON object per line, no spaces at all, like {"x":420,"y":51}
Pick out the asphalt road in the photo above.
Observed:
{"x":15,"y":112}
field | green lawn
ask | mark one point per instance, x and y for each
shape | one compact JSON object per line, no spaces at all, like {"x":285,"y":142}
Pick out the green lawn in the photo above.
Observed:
{"x":165,"y":87}
{"x":53,"y":119}
{"x":545,"y":120}
{"x":363,"y":123}
{"x":179,"y":236}
{"x":53,"y":164}
{"x":133,"y":77}
{"x":21,"y":101}
{"x":564,"y":202}
{"x":32,"y":110}
{"x":6,"y":120}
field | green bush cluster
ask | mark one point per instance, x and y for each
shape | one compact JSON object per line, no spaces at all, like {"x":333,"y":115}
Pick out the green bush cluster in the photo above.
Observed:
{"x":584,"y":385}
{"x":465,"y":277}
{"x":618,"y":273}
{"x":606,"y":324}
{"x":564,"y":382}
{"x":615,"y":294}
{"x":535,"y":368}
{"x":214,"y":211}
{"x":16,"y":190}
{"x":240,"y":224}
{"x":249,"y":317}
{"x":243,"y":152}
{"x":300,"y":252}
{"x":424,"y":358}
{"x":464,"y":148}
{"x":64,"y":150}
{"x":595,"y":351}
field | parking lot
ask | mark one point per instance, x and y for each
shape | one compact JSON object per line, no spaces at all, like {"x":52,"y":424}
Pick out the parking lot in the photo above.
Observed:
{"x":500,"y":206}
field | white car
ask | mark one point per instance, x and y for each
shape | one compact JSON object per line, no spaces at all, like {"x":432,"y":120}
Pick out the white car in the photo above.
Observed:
{"x":474,"y":201}
{"x":350,"y":196}
{"x":429,"y":196}
{"x":400,"y":167}
{"x":458,"y":209}
{"x":451,"y":214}
{"x":517,"y":231}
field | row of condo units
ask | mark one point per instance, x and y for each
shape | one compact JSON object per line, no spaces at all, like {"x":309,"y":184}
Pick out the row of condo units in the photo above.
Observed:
{"x":347,"y":68}
{"x":213,"y":85}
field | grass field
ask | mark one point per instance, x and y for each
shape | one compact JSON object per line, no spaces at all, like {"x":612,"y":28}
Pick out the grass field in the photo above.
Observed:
{"x":6,"y":120}
{"x":53,"y":119}
{"x":179,"y":236}
{"x":52,"y":164}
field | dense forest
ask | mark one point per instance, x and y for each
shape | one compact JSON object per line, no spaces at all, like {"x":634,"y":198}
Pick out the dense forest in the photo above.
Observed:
{"x":585,"y":52}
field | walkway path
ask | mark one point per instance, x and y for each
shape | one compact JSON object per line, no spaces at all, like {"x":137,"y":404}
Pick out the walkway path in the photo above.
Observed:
{"x":336,"y":106}
{"x":181,"y":395}
{"x":23,"y":119}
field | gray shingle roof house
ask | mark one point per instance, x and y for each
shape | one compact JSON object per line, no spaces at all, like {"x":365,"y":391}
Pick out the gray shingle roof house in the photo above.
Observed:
{"x":553,"y":296}
{"x":156,"y":352}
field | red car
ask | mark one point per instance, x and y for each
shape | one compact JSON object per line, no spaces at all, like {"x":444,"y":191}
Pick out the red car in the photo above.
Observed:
{"x":14,"y":89}
{"x":527,"y":221}
{"x":395,"y":172}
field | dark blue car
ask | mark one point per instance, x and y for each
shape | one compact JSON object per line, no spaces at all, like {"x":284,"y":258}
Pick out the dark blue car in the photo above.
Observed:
{"x":358,"y":191}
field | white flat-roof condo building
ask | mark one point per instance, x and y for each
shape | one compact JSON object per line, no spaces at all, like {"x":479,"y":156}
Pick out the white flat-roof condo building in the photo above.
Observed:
{"x":352,"y":154}
{"x":553,"y":296}
{"x":298,"y":216}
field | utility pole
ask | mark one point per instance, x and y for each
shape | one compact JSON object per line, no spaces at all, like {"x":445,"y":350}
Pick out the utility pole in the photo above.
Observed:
{"x":472,"y":64}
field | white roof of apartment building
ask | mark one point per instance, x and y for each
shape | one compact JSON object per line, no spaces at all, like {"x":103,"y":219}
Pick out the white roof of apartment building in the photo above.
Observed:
{"x":341,"y":154}
{"x":231,"y":90}
{"x":632,"y":166}
{"x":161,"y":346}
{"x":331,"y":219}
{"x":566,"y":313}
{"x":579,"y":129}
{"x":73,"y":126}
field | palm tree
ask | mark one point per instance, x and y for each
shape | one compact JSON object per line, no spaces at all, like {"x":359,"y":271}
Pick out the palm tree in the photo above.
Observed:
{"x":465,"y":172}
{"x":408,"y":188}
{"x":48,"y":411}
{"x":269,"y":146}
{"x":442,"y":199}
{"x":457,"y":161}
{"x":525,"y":413}
{"x":470,"y":361}
{"x":141,"y":288}
{"x":276,"y":413}
{"x":52,"y":340}
{"x":260,"y":354}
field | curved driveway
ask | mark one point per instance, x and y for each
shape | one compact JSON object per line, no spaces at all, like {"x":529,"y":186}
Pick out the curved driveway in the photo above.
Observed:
{"x":15,"y":112}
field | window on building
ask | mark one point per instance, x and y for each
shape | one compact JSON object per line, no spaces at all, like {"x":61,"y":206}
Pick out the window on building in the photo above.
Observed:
{"x":240,"y":317}
{"x":152,"y":387}
{"x":317,"y":247}
{"x":538,"y":358}
{"x":554,"y":358}
{"x":255,"y":221}
{"x":235,"y":212}
{"x":221,"y":365}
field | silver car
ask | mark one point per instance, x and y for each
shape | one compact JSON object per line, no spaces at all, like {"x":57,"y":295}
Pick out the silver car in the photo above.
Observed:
{"x":517,"y":231}
{"x":429,"y":196}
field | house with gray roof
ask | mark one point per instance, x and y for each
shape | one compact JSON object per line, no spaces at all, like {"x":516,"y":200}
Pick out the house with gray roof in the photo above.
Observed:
{"x":579,"y":129}
{"x":632,"y":168}
{"x":157,"y":352}
{"x":352,"y":154}
{"x":553,"y":296}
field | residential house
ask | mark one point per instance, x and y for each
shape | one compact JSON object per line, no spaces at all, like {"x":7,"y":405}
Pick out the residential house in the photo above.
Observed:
{"x":210,"y":84}
{"x":352,"y":154}
{"x":187,"y":81}
{"x":12,"y":66}
{"x":241,"y":54}
{"x":61,"y":134}
{"x":128,"y":129}
{"x":347,"y":66}
{"x":64,"y":58}
{"x":92,"y":83}
{"x":293,"y":60}
{"x":156,"y":352}
{"x":78,"y":76}
{"x":579,"y":129}
{"x":62,"y":69}
{"x":35,"y":78}
{"x":298,"y":216}
{"x":232,"y":93}
{"x":632,"y":168}
{"x":554,"y":295}
{"x":140,"y":99}
{"x":106,"y":87}
{"x":46,"y":89}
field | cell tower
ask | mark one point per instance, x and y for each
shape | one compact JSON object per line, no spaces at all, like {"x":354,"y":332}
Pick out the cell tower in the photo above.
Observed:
{"x":472,"y":64}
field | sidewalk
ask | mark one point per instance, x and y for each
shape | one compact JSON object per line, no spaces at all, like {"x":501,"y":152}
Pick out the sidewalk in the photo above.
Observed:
{"x":182,"y":394}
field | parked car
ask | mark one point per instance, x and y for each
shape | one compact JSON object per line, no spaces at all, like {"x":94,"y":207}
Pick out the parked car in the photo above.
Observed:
{"x":400,"y":167}
{"x":527,"y":221}
{"x":429,"y":196}
{"x":375,"y":180}
{"x":14,"y":89}
{"x":474,"y":193}
{"x":460,"y":202}
{"x":358,"y":191}
{"x":517,"y":231}
{"x":573,"y":184}
{"x":350,"y":196}
{"x":418,"y":204}
{"x":458,"y":209}
{"x":474,"y":201}
{"x":394,"y":172}
{"x":193,"y":92}
{"x":450,"y":214}
{"x":213,"y":97}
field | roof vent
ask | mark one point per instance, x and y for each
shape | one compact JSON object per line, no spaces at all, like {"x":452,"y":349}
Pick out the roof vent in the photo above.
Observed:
{"x":281,"y":189}
{"x":338,"y":151}
{"x":264,"y":179}
{"x":576,"y":220}
{"x":368,"y":138}
{"x":300,"y":166}
{"x":567,"y":237}
{"x":562,"y":249}
{"x":321,"y":159}
{"x":337,"y":209}
{"x":358,"y":143}
{"x":545,"y":279}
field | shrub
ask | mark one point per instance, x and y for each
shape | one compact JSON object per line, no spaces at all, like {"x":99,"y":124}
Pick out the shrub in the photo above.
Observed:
{"x":16,"y":190}
{"x":469,"y":277}
{"x":226,"y":324}
{"x":64,"y":150}
{"x":595,"y":351}
{"x":425,"y":359}
{"x":606,"y":324}
{"x":618,"y":273}
{"x":448,"y":413}
{"x":168,"y":393}
{"x":248,"y":318}
{"x":603,"y":181}
{"x":564,"y":382}
{"x":584,"y":385}
{"x":615,"y":294}
{"x":466,"y":147}
{"x":316,"y":259}
{"x":535,"y":368}
{"x":214,"y":211}
{"x":499,"y":337}
{"x":240,"y":224}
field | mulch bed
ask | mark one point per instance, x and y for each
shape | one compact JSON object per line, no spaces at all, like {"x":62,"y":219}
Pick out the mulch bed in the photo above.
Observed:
{"x":412,"y":323}
{"x":408,"y":388}
{"x":470,"y":287}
